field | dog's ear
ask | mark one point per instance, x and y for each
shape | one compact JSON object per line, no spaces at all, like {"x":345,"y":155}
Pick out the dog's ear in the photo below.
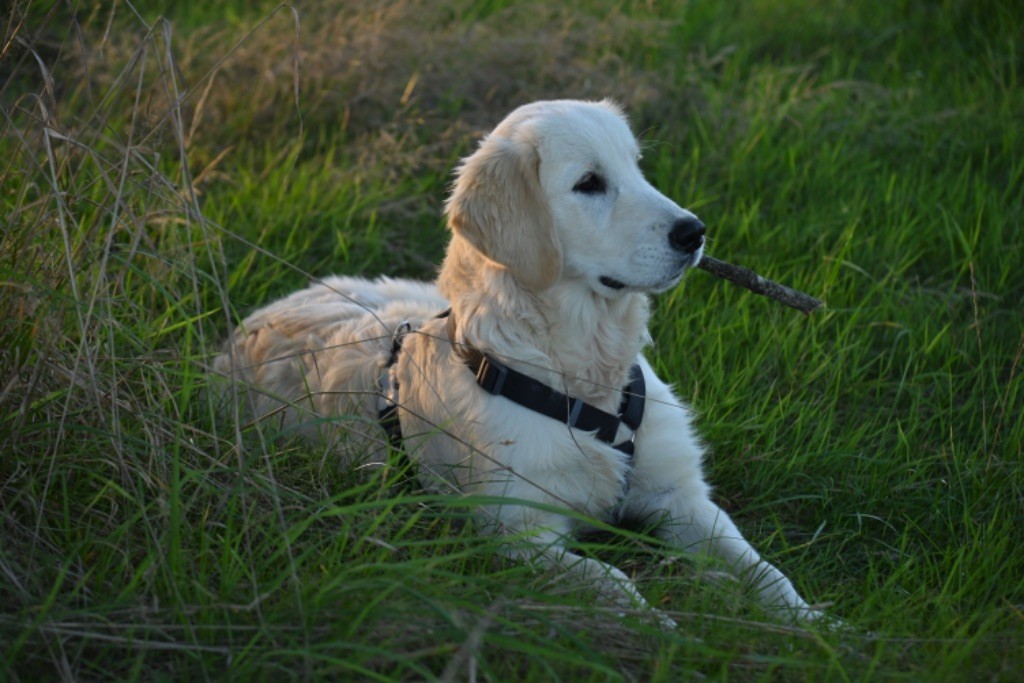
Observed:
{"x":498,"y":205}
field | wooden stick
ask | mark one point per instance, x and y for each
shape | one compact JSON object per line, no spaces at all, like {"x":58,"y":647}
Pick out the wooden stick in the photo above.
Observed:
{"x":745,"y":277}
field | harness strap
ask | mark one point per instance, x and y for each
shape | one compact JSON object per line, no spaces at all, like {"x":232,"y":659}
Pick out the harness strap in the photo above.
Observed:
{"x":498,"y":379}
{"x":387,"y":416}
{"x":631,"y":410}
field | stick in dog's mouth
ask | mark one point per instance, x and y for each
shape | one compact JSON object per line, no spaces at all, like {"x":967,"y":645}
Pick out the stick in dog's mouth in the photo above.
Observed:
{"x":745,"y":277}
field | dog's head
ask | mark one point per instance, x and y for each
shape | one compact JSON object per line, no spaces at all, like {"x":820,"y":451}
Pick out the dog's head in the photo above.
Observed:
{"x":555,"y":192}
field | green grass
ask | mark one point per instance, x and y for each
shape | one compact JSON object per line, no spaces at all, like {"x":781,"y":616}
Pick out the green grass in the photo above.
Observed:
{"x":162,"y":178}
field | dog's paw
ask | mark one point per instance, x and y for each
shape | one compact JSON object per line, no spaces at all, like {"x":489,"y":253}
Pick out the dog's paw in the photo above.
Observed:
{"x":822,"y":620}
{"x":649,"y":616}
{"x":662,"y":620}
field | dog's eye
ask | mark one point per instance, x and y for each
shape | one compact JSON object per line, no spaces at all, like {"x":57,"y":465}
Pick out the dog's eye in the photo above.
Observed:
{"x":591,"y":183}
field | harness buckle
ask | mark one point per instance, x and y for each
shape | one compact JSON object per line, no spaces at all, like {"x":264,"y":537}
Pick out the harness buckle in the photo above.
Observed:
{"x":491,"y":376}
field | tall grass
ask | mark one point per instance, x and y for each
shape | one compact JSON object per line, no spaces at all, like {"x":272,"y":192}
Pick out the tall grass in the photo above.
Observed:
{"x":162,"y":176}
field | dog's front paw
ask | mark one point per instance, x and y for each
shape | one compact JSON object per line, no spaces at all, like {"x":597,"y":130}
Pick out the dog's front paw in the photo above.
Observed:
{"x":662,"y":620}
{"x":822,"y":620}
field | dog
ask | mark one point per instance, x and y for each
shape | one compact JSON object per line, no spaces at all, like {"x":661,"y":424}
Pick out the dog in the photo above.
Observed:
{"x":557,"y":242}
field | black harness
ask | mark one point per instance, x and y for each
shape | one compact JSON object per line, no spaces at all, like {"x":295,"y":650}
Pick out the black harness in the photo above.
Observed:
{"x":498,"y":379}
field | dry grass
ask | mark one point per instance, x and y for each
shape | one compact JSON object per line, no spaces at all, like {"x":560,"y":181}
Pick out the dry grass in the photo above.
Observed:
{"x":379,"y":73}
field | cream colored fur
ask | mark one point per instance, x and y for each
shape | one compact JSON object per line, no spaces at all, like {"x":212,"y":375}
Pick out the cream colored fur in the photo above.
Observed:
{"x":523,"y":276}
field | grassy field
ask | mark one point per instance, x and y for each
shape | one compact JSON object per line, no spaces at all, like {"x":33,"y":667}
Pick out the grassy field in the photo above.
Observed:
{"x":165,"y":168}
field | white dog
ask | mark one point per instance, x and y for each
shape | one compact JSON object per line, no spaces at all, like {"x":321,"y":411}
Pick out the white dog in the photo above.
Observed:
{"x":557,"y":240}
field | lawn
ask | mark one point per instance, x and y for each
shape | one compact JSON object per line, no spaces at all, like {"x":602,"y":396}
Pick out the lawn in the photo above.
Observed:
{"x":167,"y":167}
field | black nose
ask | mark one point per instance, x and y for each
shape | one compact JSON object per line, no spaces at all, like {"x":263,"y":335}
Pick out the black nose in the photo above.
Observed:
{"x":687,"y":235}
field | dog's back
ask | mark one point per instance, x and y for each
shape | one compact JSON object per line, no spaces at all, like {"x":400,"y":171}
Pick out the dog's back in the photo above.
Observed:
{"x":320,"y":352}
